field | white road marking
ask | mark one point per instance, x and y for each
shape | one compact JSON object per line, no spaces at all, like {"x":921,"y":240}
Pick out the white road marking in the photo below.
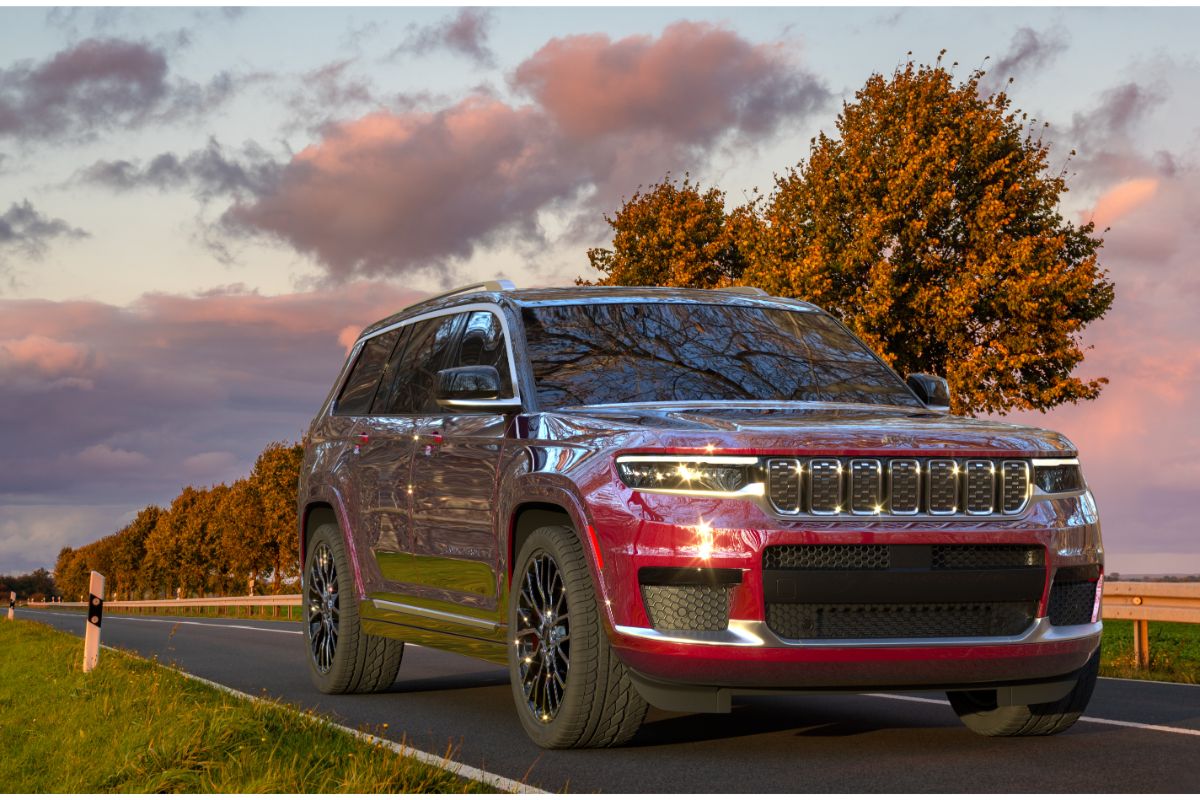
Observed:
{"x":1120,"y":723}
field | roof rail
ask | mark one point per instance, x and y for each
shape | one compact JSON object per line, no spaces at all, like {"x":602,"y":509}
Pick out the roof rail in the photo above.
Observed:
{"x":746,"y":290}
{"x":501,"y":285}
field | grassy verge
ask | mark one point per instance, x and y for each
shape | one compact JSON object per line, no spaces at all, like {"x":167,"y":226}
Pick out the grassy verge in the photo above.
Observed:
{"x":1174,"y":652}
{"x":134,"y":726}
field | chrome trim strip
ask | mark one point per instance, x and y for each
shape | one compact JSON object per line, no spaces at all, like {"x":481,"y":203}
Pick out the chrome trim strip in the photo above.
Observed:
{"x":680,"y":459}
{"x":503,"y":402}
{"x":441,"y":616}
{"x":755,"y":633}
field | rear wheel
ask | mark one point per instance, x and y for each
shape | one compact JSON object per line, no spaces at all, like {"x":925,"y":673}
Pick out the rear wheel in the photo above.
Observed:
{"x":570,"y":689}
{"x":342,"y":659}
{"x":980,"y":712}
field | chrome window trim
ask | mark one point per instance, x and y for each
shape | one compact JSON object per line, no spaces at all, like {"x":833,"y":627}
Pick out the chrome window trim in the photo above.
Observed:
{"x":875,"y":510}
{"x":495,"y":308}
{"x":891,"y":494}
{"x":991,"y":466}
{"x":929,"y":488}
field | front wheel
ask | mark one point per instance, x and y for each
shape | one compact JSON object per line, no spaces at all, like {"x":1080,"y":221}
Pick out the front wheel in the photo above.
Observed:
{"x":980,"y":712}
{"x":570,"y":689}
{"x":342,"y":659}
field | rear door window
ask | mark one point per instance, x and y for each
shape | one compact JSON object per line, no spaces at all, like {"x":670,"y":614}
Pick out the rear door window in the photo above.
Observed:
{"x":359,"y":390}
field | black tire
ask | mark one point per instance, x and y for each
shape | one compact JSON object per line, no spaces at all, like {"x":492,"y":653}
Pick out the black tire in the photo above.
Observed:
{"x":980,"y":713}
{"x":595,"y":704}
{"x":349,"y":661}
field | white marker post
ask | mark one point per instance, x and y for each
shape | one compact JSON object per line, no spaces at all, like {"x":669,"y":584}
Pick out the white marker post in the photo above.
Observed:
{"x":95,"y":613}
{"x":12,"y":603}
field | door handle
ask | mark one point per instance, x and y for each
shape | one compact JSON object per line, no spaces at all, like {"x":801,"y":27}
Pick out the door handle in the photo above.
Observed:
{"x":363,"y":438}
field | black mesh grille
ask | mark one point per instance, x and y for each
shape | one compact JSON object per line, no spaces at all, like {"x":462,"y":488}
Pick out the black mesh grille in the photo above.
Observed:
{"x":905,"y":486}
{"x":943,"y":486}
{"x":987,"y":556}
{"x":981,"y":487}
{"x":825,"y":485}
{"x":911,"y":621}
{"x":1016,"y":485}
{"x":827,"y":556}
{"x":687,"y":608}
{"x":783,"y":479}
{"x":1071,"y":602}
{"x":866,"y":486}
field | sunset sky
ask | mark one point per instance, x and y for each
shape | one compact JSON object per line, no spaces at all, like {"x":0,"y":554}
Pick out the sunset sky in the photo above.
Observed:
{"x":200,"y":208}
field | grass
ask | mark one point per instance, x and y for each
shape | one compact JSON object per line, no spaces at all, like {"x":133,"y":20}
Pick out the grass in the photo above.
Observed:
{"x":134,"y":726}
{"x":1174,"y":652}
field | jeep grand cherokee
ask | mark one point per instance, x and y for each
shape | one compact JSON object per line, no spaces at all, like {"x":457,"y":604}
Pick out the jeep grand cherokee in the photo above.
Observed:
{"x":673,"y":497}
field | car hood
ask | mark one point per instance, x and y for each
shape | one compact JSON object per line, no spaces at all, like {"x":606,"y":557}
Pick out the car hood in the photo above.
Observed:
{"x":820,"y":427}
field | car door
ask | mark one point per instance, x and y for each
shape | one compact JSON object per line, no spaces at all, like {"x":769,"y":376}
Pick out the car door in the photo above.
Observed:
{"x":454,"y":477}
{"x":356,"y":474}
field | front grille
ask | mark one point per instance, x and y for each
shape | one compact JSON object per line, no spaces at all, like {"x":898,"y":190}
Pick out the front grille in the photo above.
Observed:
{"x":687,"y":608}
{"x":1072,"y":602}
{"x":899,"y":486}
{"x":907,"y":621}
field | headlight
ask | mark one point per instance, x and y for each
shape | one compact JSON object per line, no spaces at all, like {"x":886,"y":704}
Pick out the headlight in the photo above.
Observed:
{"x":704,"y":476}
{"x":1057,"y":475}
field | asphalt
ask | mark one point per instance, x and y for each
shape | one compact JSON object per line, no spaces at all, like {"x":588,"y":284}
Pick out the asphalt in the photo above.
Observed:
{"x":1138,"y":736}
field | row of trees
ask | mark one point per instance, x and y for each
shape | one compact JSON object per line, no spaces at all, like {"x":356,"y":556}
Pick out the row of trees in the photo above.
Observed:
{"x":929,"y":224}
{"x":210,"y":541}
{"x":37,"y":585}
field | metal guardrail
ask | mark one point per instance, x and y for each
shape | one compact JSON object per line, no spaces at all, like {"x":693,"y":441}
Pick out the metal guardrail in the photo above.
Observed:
{"x":261,"y":601}
{"x":1150,"y":601}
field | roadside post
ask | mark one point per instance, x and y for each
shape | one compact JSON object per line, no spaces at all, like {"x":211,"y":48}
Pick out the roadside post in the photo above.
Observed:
{"x":95,"y":613}
{"x":12,"y":604}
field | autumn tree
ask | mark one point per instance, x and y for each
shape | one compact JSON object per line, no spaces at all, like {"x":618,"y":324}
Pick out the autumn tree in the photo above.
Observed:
{"x":130,"y":552}
{"x":275,"y":477}
{"x":244,"y":543}
{"x":671,"y":235}
{"x":929,"y":223}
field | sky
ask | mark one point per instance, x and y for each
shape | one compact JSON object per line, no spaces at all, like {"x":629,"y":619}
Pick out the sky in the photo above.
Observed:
{"x":200,"y":209}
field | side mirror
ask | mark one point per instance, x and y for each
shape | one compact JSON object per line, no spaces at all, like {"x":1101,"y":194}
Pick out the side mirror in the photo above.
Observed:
{"x":476,"y":387}
{"x":931,"y":390}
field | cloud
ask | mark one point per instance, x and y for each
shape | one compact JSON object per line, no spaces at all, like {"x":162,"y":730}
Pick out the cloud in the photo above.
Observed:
{"x":208,"y":172}
{"x":465,"y":34}
{"x":416,"y":189}
{"x":1028,"y":51}
{"x":96,"y":85}
{"x":27,"y":232}
{"x":1103,"y":136}
{"x":121,"y":406}
{"x":1122,"y":199}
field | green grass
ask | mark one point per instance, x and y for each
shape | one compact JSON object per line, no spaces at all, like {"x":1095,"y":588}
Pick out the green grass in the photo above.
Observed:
{"x":134,"y":726}
{"x":1174,"y":652}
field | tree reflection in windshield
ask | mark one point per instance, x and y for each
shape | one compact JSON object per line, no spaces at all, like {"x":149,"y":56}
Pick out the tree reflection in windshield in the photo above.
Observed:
{"x":596,"y":353}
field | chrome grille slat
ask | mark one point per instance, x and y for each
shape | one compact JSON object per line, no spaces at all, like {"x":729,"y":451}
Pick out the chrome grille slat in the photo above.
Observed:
{"x":828,"y":486}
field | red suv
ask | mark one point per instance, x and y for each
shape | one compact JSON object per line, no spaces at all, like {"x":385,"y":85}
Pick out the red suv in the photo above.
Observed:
{"x":673,"y":497}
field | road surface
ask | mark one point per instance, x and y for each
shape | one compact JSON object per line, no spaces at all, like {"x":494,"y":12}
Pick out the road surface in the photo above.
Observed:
{"x":1138,"y":736}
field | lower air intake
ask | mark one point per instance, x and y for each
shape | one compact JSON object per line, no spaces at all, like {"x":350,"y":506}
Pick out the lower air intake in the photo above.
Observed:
{"x":687,"y":608}
{"x":910,"y":621}
{"x":1072,"y":602}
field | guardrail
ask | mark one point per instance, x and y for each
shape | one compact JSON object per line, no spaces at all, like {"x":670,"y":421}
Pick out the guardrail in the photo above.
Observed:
{"x":1150,"y":601}
{"x":262,"y":602}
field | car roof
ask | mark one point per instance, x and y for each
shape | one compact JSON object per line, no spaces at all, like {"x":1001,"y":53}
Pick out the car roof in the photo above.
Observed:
{"x":576,"y":295}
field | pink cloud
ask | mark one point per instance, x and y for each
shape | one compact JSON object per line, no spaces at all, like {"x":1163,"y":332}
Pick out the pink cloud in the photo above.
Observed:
{"x":1122,"y":199}
{"x":104,"y":456}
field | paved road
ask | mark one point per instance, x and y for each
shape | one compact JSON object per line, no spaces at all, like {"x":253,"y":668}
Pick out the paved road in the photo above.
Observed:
{"x":768,"y":744}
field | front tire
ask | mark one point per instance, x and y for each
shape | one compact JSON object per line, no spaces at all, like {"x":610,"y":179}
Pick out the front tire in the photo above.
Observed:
{"x":570,"y":689}
{"x":342,"y":659}
{"x":980,"y":713}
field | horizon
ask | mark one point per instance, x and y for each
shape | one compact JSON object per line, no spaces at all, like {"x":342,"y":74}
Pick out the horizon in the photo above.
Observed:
{"x":203,"y":207}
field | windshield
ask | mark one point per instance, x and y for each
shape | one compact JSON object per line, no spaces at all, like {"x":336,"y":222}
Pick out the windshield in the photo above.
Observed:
{"x":594,"y":354}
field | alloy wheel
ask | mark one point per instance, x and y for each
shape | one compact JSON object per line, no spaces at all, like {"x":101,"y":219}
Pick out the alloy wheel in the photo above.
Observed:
{"x":323,"y":612}
{"x":543,"y":638}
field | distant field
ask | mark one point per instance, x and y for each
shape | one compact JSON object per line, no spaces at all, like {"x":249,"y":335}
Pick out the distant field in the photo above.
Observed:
{"x":133,"y":726}
{"x":1174,"y":652}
